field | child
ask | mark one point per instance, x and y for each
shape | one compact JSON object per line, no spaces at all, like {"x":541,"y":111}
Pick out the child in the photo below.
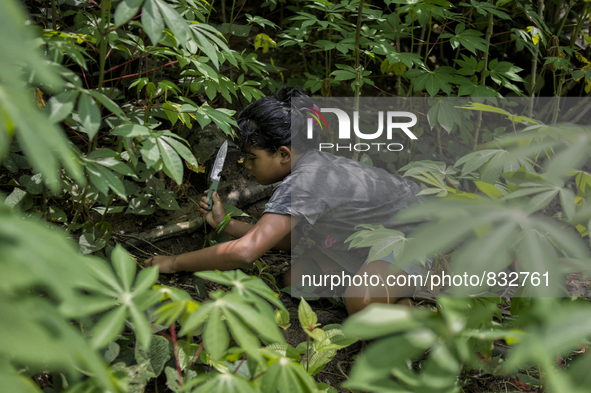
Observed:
{"x":321,"y":196}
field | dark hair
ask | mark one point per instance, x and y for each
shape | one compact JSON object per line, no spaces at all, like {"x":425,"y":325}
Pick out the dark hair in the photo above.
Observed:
{"x":275,"y":121}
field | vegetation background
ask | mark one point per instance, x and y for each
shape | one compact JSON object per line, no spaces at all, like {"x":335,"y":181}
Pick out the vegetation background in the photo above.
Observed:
{"x":99,"y":98}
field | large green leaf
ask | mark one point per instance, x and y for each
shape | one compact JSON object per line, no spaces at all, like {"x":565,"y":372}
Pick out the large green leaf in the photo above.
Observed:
{"x":61,"y":105}
{"x":107,"y":102}
{"x":103,"y":179}
{"x":141,"y":325}
{"x":131,"y":130}
{"x":284,"y":375}
{"x":248,"y":287}
{"x":307,"y":316}
{"x":215,"y":336}
{"x":109,"y":327}
{"x":225,"y":383}
{"x":152,"y":21}
{"x":433,"y":81}
{"x":90,"y":116}
{"x":173,"y":166}
{"x":156,"y":355}
{"x":174,"y":22}
{"x":182,"y":150}
{"x":126,"y":10}
{"x":124,"y":265}
{"x":44,"y":144}
{"x":379,"y":320}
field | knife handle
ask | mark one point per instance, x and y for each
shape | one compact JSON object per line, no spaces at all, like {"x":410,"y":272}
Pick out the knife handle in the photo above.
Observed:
{"x":213,"y":188}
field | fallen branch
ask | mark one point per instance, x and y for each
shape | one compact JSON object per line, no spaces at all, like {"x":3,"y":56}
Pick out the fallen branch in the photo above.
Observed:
{"x":251,"y":193}
{"x":162,"y":232}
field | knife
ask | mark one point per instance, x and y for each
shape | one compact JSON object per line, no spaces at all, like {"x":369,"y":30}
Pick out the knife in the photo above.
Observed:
{"x":215,"y":173}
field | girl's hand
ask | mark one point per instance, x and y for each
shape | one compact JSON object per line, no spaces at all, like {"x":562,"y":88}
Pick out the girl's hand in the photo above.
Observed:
{"x":214,"y":216}
{"x":165,"y":263}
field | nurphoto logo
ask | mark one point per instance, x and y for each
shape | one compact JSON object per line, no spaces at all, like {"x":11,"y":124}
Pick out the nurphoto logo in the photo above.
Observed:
{"x":390,"y":123}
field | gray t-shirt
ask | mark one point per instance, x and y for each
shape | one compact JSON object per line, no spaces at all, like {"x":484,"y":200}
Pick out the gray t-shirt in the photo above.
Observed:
{"x":334,"y":194}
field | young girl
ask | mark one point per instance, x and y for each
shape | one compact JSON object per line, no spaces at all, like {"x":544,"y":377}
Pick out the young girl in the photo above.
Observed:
{"x":321,"y":196}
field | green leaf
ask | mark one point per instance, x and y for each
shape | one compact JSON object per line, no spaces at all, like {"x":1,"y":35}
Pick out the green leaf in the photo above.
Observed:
{"x":157,"y":354}
{"x":139,"y":205}
{"x":215,"y":335}
{"x":307,"y":317}
{"x":197,"y":318}
{"x":256,"y":320}
{"x":60,"y":106}
{"x":285,"y":372}
{"x":173,"y":20}
{"x":107,"y":102}
{"x":225,"y":383}
{"x":567,"y":200}
{"x":343,"y":75}
{"x":141,"y":326}
{"x":233,"y":211}
{"x":126,"y":10}
{"x":173,"y":166}
{"x":206,"y":47}
{"x":108,"y":328}
{"x":488,"y":189}
{"x":57,"y":214}
{"x":144,"y":281}
{"x":541,"y":200}
{"x":90,"y":116}
{"x":433,"y":81}
{"x":90,"y":241}
{"x":379,"y":320}
{"x":152,"y":21}
{"x":182,"y":150}
{"x":103,"y":179}
{"x":84,"y":305}
{"x":244,"y":336}
{"x":33,"y":184}
{"x":124,"y":265}
{"x":166,"y":199}
{"x":131,"y":130}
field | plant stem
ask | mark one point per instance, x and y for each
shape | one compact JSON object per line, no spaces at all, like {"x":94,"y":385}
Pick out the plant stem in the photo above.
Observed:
{"x":53,"y":15}
{"x":489,"y":32}
{"x":438,"y":130}
{"x":534,"y":63}
{"x":399,"y":77}
{"x":570,"y":6}
{"x":240,"y":364}
{"x":573,"y":39}
{"x":209,"y":13}
{"x":308,"y":348}
{"x":224,"y":12}
{"x":231,"y":19}
{"x":421,"y":41}
{"x":357,"y":69}
{"x":44,"y":206}
{"x":103,"y":45}
{"x":78,"y":211}
{"x":176,"y":354}
{"x":428,"y":39}
{"x":305,"y":61}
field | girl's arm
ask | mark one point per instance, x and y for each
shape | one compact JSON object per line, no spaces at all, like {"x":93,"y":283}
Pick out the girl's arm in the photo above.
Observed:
{"x":268,"y":232}
{"x":237,"y":229}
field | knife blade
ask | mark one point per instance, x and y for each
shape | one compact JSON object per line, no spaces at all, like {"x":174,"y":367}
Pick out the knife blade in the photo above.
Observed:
{"x":215,"y":173}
